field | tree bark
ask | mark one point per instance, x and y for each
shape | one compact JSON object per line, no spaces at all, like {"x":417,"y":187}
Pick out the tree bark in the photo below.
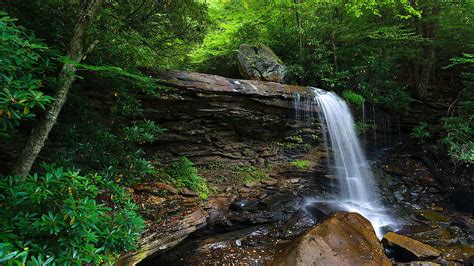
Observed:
{"x":298,"y":25}
{"x":66,"y":78}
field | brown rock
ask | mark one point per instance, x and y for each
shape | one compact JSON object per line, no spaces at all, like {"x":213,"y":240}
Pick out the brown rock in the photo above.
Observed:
{"x":415,"y":247}
{"x":294,"y":180}
{"x":173,"y":231}
{"x":343,"y":239}
{"x":269,"y":181}
{"x":418,"y":263}
{"x":155,"y":187}
{"x":188,"y":193}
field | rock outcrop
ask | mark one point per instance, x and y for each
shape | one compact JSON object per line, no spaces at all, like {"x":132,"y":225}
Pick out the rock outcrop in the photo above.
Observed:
{"x":260,"y":63}
{"x":211,"y":118}
{"x":408,"y":248}
{"x":343,"y":239}
{"x":168,"y":235}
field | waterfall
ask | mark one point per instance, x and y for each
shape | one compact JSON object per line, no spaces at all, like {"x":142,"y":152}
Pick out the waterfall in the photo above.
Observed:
{"x":358,"y":190}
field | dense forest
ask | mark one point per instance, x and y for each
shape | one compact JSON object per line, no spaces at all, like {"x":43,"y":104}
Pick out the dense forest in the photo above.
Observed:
{"x":78,"y":134}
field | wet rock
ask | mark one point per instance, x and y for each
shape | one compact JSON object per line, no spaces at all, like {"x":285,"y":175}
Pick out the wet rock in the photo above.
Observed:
{"x":239,"y":205}
{"x":460,"y":253}
{"x":462,"y":221}
{"x":322,"y":209}
{"x":439,"y":236}
{"x":343,"y":239}
{"x":418,"y":263}
{"x":297,"y":225}
{"x":260,"y":63}
{"x":403,"y":248}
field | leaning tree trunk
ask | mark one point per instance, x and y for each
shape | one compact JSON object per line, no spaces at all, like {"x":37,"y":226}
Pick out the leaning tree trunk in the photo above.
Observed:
{"x":66,"y":78}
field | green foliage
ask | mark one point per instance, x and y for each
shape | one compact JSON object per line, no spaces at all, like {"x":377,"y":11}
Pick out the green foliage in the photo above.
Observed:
{"x":354,"y":98}
{"x":64,"y":218}
{"x":459,"y":126}
{"x":459,"y":138}
{"x":97,"y":148}
{"x":129,"y":33}
{"x":301,"y":164}
{"x":142,"y":132}
{"x":421,"y":132}
{"x":249,"y":175}
{"x":24,"y":67}
{"x":182,"y":173}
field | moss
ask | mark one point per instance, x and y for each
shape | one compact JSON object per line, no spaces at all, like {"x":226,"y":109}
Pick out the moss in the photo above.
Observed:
{"x":434,"y":216}
{"x":301,"y":164}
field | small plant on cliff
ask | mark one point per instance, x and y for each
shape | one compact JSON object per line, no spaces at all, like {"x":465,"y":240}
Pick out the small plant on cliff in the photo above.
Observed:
{"x":251,"y":174}
{"x":64,"y":218}
{"x":354,"y":98}
{"x":301,"y":164}
{"x":421,"y":132}
{"x":183,"y":174}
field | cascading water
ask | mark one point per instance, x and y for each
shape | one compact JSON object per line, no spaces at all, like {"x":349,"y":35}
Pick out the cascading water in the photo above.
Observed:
{"x":358,"y":191}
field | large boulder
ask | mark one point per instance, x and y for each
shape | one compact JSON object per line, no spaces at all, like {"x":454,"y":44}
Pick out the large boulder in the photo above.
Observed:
{"x":343,"y":239}
{"x":260,"y":63}
{"x":404,"y":248}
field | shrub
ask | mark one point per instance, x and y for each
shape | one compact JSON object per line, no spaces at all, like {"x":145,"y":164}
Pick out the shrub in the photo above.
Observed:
{"x":459,"y":138}
{"x":65,"y":218}
{"x":421,"y":132}
{"x":183,"y":174}
{"x":142,"y":132}
{"x":23,"y":66}
{"x":354,"y":98}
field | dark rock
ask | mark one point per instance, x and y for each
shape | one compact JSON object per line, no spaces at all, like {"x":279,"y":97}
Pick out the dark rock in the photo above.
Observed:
{"x":239,"y":205}
{"x":463,"y":199}
{"x":260,"y":63}
{"x":300,"y":222}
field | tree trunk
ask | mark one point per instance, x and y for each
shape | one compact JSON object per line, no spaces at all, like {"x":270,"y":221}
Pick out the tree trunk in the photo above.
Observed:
{"x":298,"y":24}
{"x":334,"y":55}
{"x":66,"y":78}
{"x":427,"y":26}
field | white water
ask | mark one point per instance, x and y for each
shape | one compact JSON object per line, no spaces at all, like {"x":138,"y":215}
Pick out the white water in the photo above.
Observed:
{"x":358,"y":190}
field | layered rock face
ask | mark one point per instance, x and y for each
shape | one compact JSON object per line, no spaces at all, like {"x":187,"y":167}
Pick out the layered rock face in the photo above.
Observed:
{"x":211,"y":118}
